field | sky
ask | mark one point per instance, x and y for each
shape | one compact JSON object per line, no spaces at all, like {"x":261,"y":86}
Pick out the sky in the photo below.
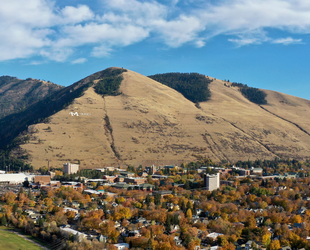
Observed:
{"x":261,"y":43}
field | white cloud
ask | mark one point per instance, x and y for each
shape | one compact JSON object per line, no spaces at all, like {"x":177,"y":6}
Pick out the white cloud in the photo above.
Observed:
{"x":57,"y":54}
{"x":287,"y":41}
{"x":75,"y":15}
{"x":40,"y":27}
{"x":177,"y":32}
{"x":102,"y":51}
{"x":200,"y":43}
{"x":79,"y":60}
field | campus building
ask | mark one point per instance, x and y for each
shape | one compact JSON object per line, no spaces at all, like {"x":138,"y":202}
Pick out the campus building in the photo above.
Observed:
{"x":212,"y":182}
{"x":70,"y":168}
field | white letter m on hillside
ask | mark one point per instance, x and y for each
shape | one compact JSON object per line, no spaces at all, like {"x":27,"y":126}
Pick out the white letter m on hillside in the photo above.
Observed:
{"x":75,"y":113}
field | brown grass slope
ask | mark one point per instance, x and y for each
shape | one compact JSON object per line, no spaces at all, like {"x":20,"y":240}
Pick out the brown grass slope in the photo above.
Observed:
{"x":150,"y":123}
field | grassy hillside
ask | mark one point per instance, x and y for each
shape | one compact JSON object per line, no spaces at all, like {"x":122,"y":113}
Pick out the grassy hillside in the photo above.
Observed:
{"x":40,"y":111}
{"x":151,"y":123}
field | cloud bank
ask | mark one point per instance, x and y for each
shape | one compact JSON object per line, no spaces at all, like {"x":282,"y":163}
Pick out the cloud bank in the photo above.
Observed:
{"x":41,"y":28}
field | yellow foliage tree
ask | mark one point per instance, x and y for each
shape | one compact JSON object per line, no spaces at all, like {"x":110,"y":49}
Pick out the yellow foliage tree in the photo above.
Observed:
{"x":274,"y":245}
{"x":189,"y":213}
{"x":296,"y":219}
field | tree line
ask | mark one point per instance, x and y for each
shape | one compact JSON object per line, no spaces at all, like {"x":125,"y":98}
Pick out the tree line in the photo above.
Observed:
{"x":252,"y":94}
{"x":194,"y":86}
{"x":110,"y":84}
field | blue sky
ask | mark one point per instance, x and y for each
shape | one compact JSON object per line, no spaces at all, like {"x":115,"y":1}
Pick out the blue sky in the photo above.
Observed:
{"x":261,"y":43}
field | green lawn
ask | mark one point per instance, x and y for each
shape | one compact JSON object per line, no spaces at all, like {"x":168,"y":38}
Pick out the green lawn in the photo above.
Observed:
{"x":10,"y":240}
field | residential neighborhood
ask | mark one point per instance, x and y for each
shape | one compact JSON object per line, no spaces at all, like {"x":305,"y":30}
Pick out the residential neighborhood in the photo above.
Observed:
{"x":199,"y":205}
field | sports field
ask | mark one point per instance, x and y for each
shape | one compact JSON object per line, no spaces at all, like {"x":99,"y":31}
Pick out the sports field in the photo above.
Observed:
{"x":10,"y":240}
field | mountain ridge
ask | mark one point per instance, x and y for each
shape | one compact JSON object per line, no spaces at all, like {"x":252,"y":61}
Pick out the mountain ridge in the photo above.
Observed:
{"x":150,"y":123}
{"x":16,"y":94}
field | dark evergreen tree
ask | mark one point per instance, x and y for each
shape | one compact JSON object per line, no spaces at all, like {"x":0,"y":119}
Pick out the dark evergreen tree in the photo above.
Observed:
{"x":148,"y":200}
{"x":183,"y":207}
{"x":156,"y":186}
{"x":194,"y":209}
{"x":157,"y":199}
{"x":26,"y":183}
{"x":168,"y":223}
{"x":188,"y":205}
{"x":176,"y":220}
{"x":4,"y":221}
{"x":15,"y":207}
{"x":187,"y":240}
{"x":164,"y":205}
{"x":173,"y":192}
{"x":192,"y":196}
{"x":30,"y":195}
{"x":149,"y":245}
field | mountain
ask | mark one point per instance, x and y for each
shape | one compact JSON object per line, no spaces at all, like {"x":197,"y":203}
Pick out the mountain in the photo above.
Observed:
{"x":146,"y":122}
{"x":17,"y":94}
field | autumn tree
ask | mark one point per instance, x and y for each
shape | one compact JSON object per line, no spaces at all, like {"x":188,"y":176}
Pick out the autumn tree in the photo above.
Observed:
{"x":189,"y":214}
{"x":274,"y":245}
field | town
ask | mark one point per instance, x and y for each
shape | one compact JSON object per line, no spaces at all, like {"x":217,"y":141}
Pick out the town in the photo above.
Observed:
{"x":199,"y":205}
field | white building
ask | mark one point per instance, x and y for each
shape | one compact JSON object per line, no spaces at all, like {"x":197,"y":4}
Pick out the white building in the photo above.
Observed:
{"x":212,"y":182}
{"x":16,"y":178}
{"x":70,"y":168}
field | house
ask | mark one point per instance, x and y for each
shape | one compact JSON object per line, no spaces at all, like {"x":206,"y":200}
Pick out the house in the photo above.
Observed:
{"x":174,"y":228}
{"x":214,"y":248}
{"x":121,"y":246}
{"x":77,"y":236}
{"x":281,"y":188}
{"x":177,"y":240}
{"x":35,"y":217}
{"x":134,"y":233}
{"x":29,"y":212}
{"x":139,"y":220}
{"x":199,"y":211}
{"x":75,"y":204}
{"x":286,"y":248}
{"x":102,"y":238}
{"x":249,"y":245}
{"x":214,"y":235}
{"x":302,"y":210}
{"x":66,"y":209}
